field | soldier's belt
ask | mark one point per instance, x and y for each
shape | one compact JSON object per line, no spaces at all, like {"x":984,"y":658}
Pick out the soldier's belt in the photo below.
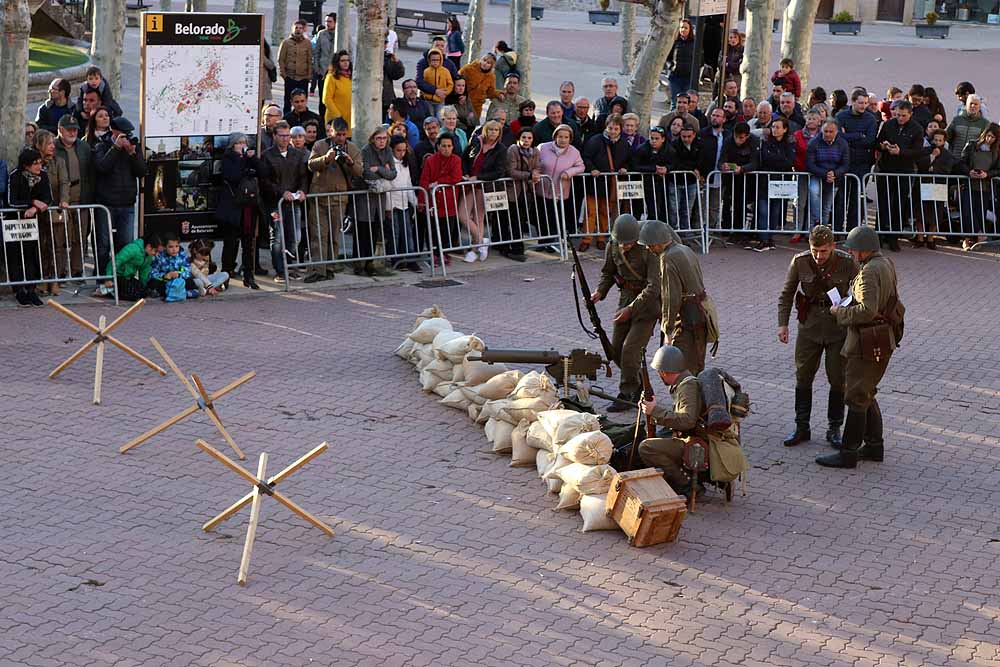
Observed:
{"x":632,"y":285}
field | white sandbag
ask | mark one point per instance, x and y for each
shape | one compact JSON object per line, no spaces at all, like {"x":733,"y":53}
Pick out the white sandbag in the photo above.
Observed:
{"x":569,"y":498}
{"x":591,"y":448}
{"x":562,"y":425}
{"x":537,"y":437}
{"x":488,"y":430}
{"x":518,"y":437}
{"x":405,"y":348}
{"x":444,"y":337}
{"x":418,"y":349}
{"x":457,"y":373}
{"x":587,"y":479}
{"x":543,"y":460}
{"x":429,"y":328}
{"x":444,"y":388}
{"x":455,"y":350}
{"x":499,"y":386}
{"x":502,"y":440}
{"x":428,"y":381}
{"x":533,"y":385}
{"x":592,"y":511}
{"x":528,"y":408}
{"x":428,"y":313}
{"x":554,"y":485}
{"x":478,"y":372}
{"x":440,"y":368}
{"x":474,"y":409}
{"x":522,"y":456}
{"x":472,"y":394}
{"x":493,"y":410}
{"x":558,"y":463}
{"x":425,"y":357}
{"x":456,"y":399}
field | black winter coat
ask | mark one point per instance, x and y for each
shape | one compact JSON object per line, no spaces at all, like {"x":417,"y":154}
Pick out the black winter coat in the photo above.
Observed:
{"x":681,"y":56}
{"x":234,"y":168}
{"x":688,"y":159}
{"x":494,"y":163}
{"x":117,"y":174}
{"x":909,"y":138}
{"x":777,"y":155}
{"x":645,"y":161}
{"x":20,"y":195}
{"x":745,"y":156}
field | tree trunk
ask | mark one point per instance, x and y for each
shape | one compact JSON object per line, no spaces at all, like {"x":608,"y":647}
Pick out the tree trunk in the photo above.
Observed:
{"x":16,"y":23}
{"x":628,"y":12}
{"x":665,"y":17}
{"x":239,"y":6}
{"x":512,"y":21}
{"x":278,"y":20}
{"x":797,"y":35}
{"x":252,"y":6}
{"x":108,"y":40}
{"x":196,"y":5}
{"x":342,"y":38}
{"x":166,"y":5}
{"x":366,"y":88}
{"x":757,"y":57}
{"x":393,"y":6}
{"x":522,"y":42}
{"x":474,"y":31}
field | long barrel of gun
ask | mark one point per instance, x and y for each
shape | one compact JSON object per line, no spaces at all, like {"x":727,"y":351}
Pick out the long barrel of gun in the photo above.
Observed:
{"x":492,"y":356}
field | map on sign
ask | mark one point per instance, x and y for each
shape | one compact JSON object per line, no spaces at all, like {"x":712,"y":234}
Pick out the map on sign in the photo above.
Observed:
{"x":201,"y":90}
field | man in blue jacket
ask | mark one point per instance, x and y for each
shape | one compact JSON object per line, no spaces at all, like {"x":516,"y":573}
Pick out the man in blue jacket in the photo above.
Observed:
{"x":828,"y":158}
{"x":859,"y":128}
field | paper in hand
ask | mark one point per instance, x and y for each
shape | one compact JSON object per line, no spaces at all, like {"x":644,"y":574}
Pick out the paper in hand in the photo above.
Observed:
{"x":838,"y":300}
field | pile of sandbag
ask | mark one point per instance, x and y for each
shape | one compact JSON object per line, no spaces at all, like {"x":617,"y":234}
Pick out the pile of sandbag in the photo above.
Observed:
{"x":520,"y":413}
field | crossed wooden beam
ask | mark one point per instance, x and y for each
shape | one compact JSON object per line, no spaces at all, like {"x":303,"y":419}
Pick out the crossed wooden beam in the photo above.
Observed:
{"x":102,"y":333}
{"x":204,"y":401}
{"x":262,"y":486}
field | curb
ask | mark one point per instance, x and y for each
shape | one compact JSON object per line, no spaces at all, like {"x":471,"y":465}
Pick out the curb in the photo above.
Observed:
{"x":38,"y":82}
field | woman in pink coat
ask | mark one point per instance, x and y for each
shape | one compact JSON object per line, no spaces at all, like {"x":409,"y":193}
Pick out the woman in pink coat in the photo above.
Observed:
{"x":560,"y":161}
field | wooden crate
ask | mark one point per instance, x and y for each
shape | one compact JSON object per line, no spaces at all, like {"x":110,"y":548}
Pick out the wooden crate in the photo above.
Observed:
{"x":645,"y":507}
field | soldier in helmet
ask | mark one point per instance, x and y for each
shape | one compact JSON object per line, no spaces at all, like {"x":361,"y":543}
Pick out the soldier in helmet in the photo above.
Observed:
{"x":636,"y":271}
{"x":687,"y":314}
{"x":817,"y":271}
{"x":874,"y":324}
{"x":685,"y":419}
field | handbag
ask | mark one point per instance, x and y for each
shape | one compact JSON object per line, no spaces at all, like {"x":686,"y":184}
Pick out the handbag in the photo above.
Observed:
{"x":246,"y":191}
{"x":176,"y":290}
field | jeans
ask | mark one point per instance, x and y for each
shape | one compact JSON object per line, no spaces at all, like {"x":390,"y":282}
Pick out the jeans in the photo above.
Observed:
{"x":682,"y":199}
{"x":402,"y":240}
{"x":821,"y":196}
{"x":855,"y":199}
{"x":976,"y":205}
{"x":122,"y":221}
{"x":770,"y":216}
{"x":286,"y":233}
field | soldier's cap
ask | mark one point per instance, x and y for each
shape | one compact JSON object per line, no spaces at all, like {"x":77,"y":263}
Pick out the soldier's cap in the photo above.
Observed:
{"x":862,"y":238}
{"x":625,"y":229}
{"x":122,"y":124}
{"x":669,"y":359}
{"x":68,"y":122}
{"x":820,"y":235}
{"x":655,"y":232}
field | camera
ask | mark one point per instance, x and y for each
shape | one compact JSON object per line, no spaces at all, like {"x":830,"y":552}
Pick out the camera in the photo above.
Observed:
{"x":339,"y":152}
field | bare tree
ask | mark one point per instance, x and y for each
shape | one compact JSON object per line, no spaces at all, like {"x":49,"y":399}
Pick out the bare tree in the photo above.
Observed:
{"x":342,"y":38}
{"x":474,"y":31}
{"x":278,"y":20}
{"x":166,"y":5}
{"x":366,"y":87}
{"x":196,"y":5}
{"x":522,"y":42}
{"x":797,"y":35}
{"x":665,"y":16}
{"x":16,"y":26}
{"x":393,"y":6}
{"x":757,"y":58}
{"x":108,"y":41}
{"x":628,"y":12}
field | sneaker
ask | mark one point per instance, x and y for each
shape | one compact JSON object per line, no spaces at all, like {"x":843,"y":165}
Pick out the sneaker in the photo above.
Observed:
{"x":193,"y":294}
{"x":279,"y":278}
{"x":470,"y":257}
{"x":22,"y":298}
{"x":33,"y":299}
{"x":294,"y":275}
{"x":484,"y":249}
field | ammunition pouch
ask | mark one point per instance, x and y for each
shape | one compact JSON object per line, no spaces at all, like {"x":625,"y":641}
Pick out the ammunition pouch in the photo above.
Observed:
{"x":692,"y":312}
{"x":803,"y":303}
{"x":877,"y":341}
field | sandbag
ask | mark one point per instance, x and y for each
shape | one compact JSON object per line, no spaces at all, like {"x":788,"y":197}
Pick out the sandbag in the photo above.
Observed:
{"x":474,"y":409}
{"x":554,"y":485}
{"x":562,"y":425}
{"x":518,"y":437}
{"x":472,"y":394}
{"x":457,"y":373}
{"x":592,"y":511}
{"x":417,"y":352}
{"x":528,"y":408}
{"x":538,"y":438}
{"x":493,"y":410}
{"x":444,"y":337}
{"x":429,"y":328}
{"x":405,"y":348}
{"x":591,"y":448}
{"x":440,"y":368}
{"x":569,"y":498}
{"x":522,"y":456}
{"x":558,"y":463}
{"x":502,"y":440}
{"x":444,"y":388}
{"x":456,"y":399}
{"x":534,"y":385}
{"x":425,"y":358}
{"x":587,"y":479}
{"x":478,"y":372}
{"x":543,"y":460}
{"x":455,"y":350}
{"x":428,"y":313}
{"x":499,"y":386}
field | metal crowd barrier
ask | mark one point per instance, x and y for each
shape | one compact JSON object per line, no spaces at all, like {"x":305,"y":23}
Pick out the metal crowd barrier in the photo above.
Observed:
{"x":932,"y":204}
{"x":333,"y":228}
{"x":57,"y":246}
{"x":594,"y":201}
{"x":505,"y":211}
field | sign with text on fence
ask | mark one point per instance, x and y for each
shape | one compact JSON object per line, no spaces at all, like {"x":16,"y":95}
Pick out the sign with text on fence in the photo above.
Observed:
{"x":712,"y":7}
{"x":934,"y":192}
{"x":20,"y":230}
{"x":782,"y":189}
{"x":495,"y":201}
{"x":630,"y":189}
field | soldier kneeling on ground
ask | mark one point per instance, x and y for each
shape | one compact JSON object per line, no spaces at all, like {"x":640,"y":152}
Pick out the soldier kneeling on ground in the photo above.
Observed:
{"x":687,"y":420}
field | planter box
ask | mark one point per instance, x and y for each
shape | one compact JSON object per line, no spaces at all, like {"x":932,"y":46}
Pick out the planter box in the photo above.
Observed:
{"x":845,"y":28}
{"x":449,"y":7}
{"x":537,"y":13}
{"x":933,"y":31}
{"x":601,"y":17}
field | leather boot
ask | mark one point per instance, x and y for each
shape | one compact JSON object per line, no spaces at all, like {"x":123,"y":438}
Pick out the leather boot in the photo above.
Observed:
{"x":835,"y":416}
{"x":854,"y":431}
{"x":872,"y":449}
{"x":803,"y":410}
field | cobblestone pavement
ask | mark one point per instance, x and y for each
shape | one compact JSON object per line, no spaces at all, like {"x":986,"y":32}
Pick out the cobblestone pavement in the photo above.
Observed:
{"x":446,"y":556}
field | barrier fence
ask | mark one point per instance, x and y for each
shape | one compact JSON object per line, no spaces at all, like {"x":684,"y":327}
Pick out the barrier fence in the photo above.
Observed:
{"x":58,"y":246}
{"x":355,"y":226}
{"x":509,"y":212}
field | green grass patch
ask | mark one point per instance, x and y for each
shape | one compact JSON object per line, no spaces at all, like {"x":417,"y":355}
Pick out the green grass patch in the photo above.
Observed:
{"x":44,"y":56}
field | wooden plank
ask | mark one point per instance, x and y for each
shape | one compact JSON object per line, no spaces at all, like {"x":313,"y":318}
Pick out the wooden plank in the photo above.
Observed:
{"x":233,"y":385}
{"x":302,"y":513}
{"x":254,"y":517}
{"x":174,"y":368}
{"x":136,"y":355}
{"x":158,"y":429}
{"x":99,"y":368}
{"x":73,"y":316}
{"x":73,"y":357}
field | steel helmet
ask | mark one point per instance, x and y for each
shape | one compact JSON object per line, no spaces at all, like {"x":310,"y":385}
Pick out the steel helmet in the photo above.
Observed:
{"x":654,"y":232}
{"x":625,"y":229}
{"x":669,"y":359}
{"x":863,"y":238}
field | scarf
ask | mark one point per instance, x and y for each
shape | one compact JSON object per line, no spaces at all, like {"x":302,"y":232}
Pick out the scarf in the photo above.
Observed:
{"x":32,"y":179}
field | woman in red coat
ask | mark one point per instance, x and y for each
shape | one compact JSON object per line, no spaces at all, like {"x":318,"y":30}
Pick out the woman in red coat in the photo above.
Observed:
{"x":443,"y":167}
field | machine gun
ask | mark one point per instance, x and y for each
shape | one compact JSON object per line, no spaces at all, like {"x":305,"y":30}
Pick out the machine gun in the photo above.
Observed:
{"x":580,"y":279}
{"x":579,"y":363}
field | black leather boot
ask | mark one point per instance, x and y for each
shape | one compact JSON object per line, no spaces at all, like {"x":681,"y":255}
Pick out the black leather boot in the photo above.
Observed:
{"x":854,"y":430}
{"x":872,"y":449}
{"x":835,"y":416}
{"x":803,"y":410}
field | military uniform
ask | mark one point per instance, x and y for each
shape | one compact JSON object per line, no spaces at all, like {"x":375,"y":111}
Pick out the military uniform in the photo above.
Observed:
{"x":637,"y":274}
{"x":819,"y":335}
{"x":686,"y":309}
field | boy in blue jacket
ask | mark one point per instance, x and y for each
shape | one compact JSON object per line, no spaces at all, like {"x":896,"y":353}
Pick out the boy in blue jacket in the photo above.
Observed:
{"x":170,"y":264}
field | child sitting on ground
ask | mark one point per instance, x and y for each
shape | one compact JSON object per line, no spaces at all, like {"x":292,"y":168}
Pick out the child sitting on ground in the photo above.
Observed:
{"x":172,"y":264}
{"x":207,"y":279}
{"x":786,"y":71}
{"x":133,"y":264}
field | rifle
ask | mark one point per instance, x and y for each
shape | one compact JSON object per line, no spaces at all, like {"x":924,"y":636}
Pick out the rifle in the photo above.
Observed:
{"x":578,"y":363}
{"x":647,"y":393}
{"x":580,"y":278}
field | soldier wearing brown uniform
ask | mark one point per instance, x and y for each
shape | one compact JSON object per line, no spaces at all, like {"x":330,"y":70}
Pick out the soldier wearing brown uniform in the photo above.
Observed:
{"x":817,"y":271}
{"x":874,"y":326}
{"x":636,"y":271}
{"x":687,"y":314}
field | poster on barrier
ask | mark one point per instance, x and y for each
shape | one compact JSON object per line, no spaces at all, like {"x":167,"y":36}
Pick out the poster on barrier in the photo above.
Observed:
{"x":934,"y":192}
{"x":782,"y":190}
{"x":495,"y":201}
{"x":630,"y":189}
{"x":20,"y":230}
